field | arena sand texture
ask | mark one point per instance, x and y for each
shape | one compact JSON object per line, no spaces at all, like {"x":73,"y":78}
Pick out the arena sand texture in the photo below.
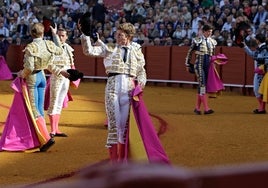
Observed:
{"x":231,"y":136}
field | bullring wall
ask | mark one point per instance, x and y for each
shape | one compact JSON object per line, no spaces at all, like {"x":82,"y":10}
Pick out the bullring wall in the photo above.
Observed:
{"x":164,"y":64}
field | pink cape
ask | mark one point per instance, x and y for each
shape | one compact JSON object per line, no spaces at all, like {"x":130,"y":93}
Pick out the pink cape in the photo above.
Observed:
{"x":5,"y":73}
{"x":75,"y":84}
{"x":153,"y":149}
{"x":214,"y":83}
{"x":19,"y":133}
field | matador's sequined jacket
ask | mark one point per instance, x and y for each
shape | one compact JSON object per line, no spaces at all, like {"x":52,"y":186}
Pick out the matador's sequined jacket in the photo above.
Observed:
{"x":259,"y":55}
{"x":66,"y":58}
{"x":39,"y":55}
{"x":201,"y":48}
{"x":113,"y":61}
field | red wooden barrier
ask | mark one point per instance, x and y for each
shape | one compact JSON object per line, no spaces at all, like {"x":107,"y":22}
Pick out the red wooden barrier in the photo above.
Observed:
{"x":15,"y":57}
{"x":249,"y":75}
{"x":83,"y":63}
{"x":158,"y":62}
{"x":249,"y":70}
{"x":163,"y":64}
{"x":178,"y":71}
{"x":100,"y":70}
{"x":233,"y":73}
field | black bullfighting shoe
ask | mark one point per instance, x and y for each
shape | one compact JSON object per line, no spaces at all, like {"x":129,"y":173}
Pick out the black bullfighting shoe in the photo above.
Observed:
{"x":61,"y":135}
{"x":209,"y":112}
{"x":197,"y":112}
{"x":256,"y":111}
{"x":47,"y":145}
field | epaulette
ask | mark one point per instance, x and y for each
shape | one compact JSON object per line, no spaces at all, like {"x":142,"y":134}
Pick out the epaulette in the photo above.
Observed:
{"x":31,"y":48}
{"x":50,"y":46}
{"x":214,"y":42}
{"x":135,"y":45}
{"x":263,"y":47}
{"x":110,"y":47}
{"x":197,"y":40}
{"x":69,"y":48}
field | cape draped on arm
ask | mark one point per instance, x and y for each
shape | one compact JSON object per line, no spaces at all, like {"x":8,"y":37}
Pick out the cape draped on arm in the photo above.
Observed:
{"x":142,"y":140}
{"x":214,"y":83}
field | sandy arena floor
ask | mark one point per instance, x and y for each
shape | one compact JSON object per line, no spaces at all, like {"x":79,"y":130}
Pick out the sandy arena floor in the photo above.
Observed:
{"x":233,"y":135}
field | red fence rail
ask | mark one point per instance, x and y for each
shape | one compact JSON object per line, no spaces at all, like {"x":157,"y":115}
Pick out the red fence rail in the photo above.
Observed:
{"x":163,"y":64}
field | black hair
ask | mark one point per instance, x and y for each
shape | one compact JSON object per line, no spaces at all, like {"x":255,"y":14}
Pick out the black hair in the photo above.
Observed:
{"x":260,"y":37}
{"x":207,"y":27}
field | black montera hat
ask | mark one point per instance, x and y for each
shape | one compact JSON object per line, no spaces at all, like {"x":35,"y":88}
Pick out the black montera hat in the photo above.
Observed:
{"x":47,"y":23}
{"x":75,"y":74}
{"x":239,"y":38}
{"x":85,"y":23}
{"x":241,"y":33}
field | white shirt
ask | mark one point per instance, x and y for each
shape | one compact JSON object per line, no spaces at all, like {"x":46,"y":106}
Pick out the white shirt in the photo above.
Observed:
{"x":4,"y":31}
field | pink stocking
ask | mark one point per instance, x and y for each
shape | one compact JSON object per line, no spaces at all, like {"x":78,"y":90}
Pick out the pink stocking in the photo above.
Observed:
{"x":57,"y":119}
{"x":113,"y":153}
{"x":261,"y":104}
{"x":198,"y":102}
{"x":54,"y":123}
{"x":121,"y":152}
{"x":204,"y":100}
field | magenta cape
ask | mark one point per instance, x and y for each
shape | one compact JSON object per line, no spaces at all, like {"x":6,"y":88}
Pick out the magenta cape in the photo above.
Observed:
{"x":5,"y":73}
{"x":19,"y":132}
{"x":145,"y":141}
{"x":214,"y":83}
